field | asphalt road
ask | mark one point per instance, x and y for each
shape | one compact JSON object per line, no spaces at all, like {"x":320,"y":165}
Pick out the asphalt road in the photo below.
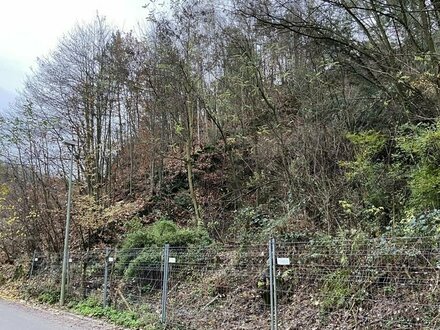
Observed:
{"x":16,"y":316}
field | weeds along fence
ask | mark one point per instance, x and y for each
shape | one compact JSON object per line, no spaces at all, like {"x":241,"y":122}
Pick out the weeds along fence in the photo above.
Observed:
{"x":360,"y":284}
{"x":325,"y":283}
{"x":224,"y":287}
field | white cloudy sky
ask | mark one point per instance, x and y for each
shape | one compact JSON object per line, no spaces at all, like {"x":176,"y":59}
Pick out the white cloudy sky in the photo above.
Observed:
{"x":31,"y":28}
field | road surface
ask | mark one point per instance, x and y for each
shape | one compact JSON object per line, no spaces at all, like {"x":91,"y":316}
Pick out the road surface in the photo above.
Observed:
{"x":16,"y":316}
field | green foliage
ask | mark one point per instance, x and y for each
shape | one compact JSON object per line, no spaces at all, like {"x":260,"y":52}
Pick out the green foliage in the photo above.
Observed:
{"x":421,"y":225}
{"x":394,"y":175}
{"x":148,"y":243}
{"x":342,"y":251}
{"x":250,"y":224}
{"x":339,"y":247}
{"x":148,"y":256}
{"x":368,"y":143}
{"x":425,"y":187}
{"x":162,"y":232}
{"x":379,"y":178}
{"x":367,"y":172}
{"x":133,"y":225}
{"x":421,"y":141}
{"x":183,"y":199}
{"x":49,"y":297}
{"x":148,"y":318}
{"x":252,"y":217}
{"x":336,"y":290}
{"x":93,"y":307}
{"x":422,"y":145}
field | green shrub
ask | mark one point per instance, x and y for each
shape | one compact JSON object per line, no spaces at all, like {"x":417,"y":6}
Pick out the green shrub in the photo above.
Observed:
{"x":89,"y":307}
{"x":425,"y":224}
{"x":378,"y":173}
{"x":162,"y":232}
{"x":49,"y":297}
{"x":183,"y":199}
{"x":336,"y":290}
{"x":142,"y":247}
{"x":149,"y":256}
{"x":421,"y":144}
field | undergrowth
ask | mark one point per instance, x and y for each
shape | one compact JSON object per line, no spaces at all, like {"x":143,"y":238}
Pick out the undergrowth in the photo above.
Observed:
{"x":139,"y":319}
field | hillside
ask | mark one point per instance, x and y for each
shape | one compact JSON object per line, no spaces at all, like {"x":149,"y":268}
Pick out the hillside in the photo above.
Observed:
{"x":234,"y":122}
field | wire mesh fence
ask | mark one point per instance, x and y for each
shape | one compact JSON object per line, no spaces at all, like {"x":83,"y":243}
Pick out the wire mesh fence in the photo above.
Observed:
{"x":218,"y":288}
{"x":84,"y":275}
{"x":360,"y":284}
{"x":324,"y":283}
{"x":136,"y":278}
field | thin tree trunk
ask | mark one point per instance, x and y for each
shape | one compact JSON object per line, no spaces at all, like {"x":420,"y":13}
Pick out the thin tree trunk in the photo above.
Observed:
{"x":189,"y":165}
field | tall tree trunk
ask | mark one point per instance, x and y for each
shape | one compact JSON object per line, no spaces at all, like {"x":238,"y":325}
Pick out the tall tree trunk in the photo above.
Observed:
{"x":189,"y":165}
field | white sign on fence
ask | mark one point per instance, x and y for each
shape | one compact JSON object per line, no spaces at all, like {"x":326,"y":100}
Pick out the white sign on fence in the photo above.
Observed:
{"x":172,"y":260}
{"x":283,"y":261}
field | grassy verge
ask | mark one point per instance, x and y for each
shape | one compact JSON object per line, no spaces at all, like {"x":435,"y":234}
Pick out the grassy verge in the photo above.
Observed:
{"x":142,"y":318}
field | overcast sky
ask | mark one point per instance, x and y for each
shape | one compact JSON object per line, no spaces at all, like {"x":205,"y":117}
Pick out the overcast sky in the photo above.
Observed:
{"x":31,"y":28}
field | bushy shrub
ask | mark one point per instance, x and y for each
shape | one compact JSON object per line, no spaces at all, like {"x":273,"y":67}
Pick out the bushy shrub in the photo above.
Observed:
{"x":141,"y":251}
{"x":147,"y":264}
{"x":421,"y":225}
{"x":162,"y":232}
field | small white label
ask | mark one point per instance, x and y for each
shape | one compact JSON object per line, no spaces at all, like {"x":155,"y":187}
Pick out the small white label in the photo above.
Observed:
{"x":70,"y":260}
{"x":283,"y":261}
{"x":172,"y":260}
{"x":110,"y":259}
{"x":36,"y":259}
